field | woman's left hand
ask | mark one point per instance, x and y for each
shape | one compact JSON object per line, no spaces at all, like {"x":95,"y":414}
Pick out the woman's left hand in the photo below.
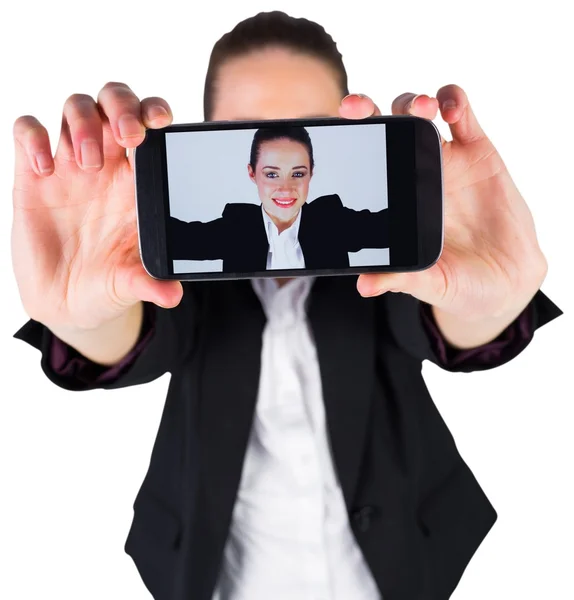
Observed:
{"x":491,"y":264}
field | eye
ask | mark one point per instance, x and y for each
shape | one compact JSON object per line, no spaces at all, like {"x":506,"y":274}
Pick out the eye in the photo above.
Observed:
{"x":298,"y":174}
{"x":271,"y":175}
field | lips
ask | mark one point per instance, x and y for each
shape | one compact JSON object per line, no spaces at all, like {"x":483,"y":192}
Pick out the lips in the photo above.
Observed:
{"x":284,"y":202}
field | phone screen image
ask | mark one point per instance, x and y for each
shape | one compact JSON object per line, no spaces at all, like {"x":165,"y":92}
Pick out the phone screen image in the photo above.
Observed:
{"x":281,"y":198}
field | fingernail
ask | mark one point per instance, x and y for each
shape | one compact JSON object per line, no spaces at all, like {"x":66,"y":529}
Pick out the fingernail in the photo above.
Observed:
{"x":157,"y":112}
{"x":90,"y":154}
{"x":129,"y":127}
{"x":353,"y":96}
{"x":449,"y":104}
{"x":43,"y":162}
{"x":412,"y":104}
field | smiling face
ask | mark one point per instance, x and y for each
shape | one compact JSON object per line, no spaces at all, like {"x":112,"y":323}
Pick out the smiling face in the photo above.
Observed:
{"x":277,"y":83}
{"x":282,"y":175}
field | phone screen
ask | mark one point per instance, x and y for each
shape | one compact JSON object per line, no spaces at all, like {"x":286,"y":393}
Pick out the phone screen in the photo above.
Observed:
{"x":287,"y":197}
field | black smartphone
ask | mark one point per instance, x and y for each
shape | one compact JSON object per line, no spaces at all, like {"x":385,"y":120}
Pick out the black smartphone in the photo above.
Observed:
{"x":325,"y":196}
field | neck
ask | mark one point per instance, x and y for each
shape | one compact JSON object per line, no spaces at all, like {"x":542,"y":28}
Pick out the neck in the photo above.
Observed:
{"x":282,"y":225}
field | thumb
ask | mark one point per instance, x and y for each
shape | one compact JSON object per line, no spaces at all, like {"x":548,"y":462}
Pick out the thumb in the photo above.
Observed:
{"x":423,"y":285}
{"x":376,"y":284}
{"x":135,"y":284}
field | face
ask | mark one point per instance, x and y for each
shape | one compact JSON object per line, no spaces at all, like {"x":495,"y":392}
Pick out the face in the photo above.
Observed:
{"x":282,"y":175}
{"x":275,"y":84}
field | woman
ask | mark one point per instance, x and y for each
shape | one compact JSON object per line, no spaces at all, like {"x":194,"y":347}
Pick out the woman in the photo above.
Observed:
{"x":286,"y":232}
{"x":311,"y":390}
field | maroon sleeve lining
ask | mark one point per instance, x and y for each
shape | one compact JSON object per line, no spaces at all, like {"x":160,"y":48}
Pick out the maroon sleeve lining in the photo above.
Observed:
{"x":497,"y":352}
{"x":67,"y":362}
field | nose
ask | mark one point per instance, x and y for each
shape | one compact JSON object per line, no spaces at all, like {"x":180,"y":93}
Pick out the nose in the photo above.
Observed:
{"x":284,"y":189}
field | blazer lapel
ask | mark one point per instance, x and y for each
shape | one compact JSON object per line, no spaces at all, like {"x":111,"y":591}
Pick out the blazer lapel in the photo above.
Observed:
{"x":228,"y":387}
{"x":246,"y":246}
{"x":343,"y":326}
{"x":253,"y":244}
{"x":312,"y":239}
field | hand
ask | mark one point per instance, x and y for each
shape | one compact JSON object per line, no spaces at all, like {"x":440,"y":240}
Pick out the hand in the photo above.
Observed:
{"x":491,"y":263}
{"x":74,"y":236}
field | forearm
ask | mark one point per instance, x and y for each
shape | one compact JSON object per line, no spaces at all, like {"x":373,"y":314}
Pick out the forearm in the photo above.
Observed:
{"x":465,"y":334}
{"x":108,"y":344}
{"x":195,"y":240}
{"x":365,"y":229}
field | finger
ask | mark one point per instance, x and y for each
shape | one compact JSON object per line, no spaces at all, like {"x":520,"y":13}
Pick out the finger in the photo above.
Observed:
{"x":427,"y":285}
{"x":122,"y":110}
{"x":358,"y":106}
{"x":156,"y":113}
{"x":81,"y":135}
{"x":134,"y":283}
{"x":376,"y":284}
{"x":32,"y":147}
{"x":419,"y":105}
{"x":456,"y":111}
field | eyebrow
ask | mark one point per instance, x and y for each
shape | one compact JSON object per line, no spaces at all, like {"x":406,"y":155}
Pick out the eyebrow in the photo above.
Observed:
{"x":279,"y":168}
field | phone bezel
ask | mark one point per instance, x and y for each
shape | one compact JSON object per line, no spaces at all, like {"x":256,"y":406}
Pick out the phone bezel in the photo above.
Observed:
{"x":151,"y":184}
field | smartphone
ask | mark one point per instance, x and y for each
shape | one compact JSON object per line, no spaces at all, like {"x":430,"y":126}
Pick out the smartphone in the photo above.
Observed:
{"x":292,"y":197}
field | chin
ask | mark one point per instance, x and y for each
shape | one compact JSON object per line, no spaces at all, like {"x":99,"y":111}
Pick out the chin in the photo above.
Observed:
{"x":285,"y":218}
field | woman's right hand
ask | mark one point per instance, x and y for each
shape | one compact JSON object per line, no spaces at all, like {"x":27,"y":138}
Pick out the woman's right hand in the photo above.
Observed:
{"x":74,"y":235}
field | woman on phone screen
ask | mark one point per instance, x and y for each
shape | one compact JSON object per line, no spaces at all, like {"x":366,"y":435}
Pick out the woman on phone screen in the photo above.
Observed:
{"x":286,"y":231}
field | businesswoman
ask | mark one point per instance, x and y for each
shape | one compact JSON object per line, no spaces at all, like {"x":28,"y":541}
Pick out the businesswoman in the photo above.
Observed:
{"x":285,"y":231}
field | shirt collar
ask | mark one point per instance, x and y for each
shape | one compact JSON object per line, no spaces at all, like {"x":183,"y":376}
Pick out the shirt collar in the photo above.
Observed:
{"x":280,"y":302}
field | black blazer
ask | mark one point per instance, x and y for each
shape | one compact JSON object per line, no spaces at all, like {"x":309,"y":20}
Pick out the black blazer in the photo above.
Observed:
{"x":327,"y":232}
{"x":416,"y":509}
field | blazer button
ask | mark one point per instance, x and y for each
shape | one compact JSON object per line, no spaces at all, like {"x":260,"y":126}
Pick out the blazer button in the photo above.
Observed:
{"x":362,"y":517}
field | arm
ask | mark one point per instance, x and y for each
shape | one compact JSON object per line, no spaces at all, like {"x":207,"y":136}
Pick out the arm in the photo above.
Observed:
{"x":357,"y":229}
{"x":76,"y":264}
{"x":196,"y":240}
{"x":464,"y":333}
{"x":491,"y":265}
{"x":364,"y":229}
{"x":109,"y":343}
{"x":414,"y":329}
{"x":165,"y":338}
{"x":508,"y":344}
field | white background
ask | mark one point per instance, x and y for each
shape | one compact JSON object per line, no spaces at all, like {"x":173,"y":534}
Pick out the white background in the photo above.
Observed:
{"x":208,"y":169}
{"x":71,"y":464}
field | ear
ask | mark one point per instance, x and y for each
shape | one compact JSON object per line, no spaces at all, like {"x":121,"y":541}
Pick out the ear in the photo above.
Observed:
{"x":251,"y":173}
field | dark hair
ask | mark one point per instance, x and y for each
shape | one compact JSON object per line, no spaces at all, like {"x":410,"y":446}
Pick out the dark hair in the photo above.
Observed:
{"x":267,"y":30}
{"x":268,"y":134}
